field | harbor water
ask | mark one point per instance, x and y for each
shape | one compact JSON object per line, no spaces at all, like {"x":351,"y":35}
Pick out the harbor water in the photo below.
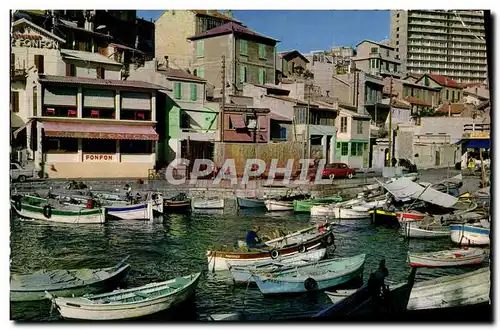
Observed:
{"x":176,"y":245}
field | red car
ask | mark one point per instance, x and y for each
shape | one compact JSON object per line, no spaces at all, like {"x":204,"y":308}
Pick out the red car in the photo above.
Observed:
{"x":338,"y":170}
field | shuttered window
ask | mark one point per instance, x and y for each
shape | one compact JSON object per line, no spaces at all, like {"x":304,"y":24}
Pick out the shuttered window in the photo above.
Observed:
{"x":136,"y":100}
{"x":194,"y":92}
{"x":98,"y":98}
{"x":262,"y":76}
{"x":70,"y":70}
{"x":243,"y":47}
{"x":262,"y":51}
{"x":177,"y":90}
{"x":14,"y":101}
{"x":100,"y":73}
{"x":60,"y":96}
{"x":39,"y":63}
{"x":243,"y":73}
{"x":200,"y":48}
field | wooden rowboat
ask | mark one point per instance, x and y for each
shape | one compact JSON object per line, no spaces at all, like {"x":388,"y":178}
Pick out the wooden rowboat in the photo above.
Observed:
{"x":447,"y":258}
{"x":311,"y":277}
{"x":274,"y":205}
{"x":218,"y":260}
{"x":208,"y":204}
{"x":130,"y":303}
{"x":409,"y":215}
{"x":470,"y":234}
{"x":412,"y":230}
{"x":250,"y":203}
{"x":65,"y":283}
{"x":44,"y":209}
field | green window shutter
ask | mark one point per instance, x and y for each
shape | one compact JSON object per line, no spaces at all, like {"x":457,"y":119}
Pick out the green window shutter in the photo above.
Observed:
{"x":242,"y":73}
{"x":201,"y":48}
{"x":177,"y":90}
{"x":243,"y":46}
{"x":201,"y":72}
{"x":194,"y":92}
{"x":261,"y":77}
{"x":262,"y":51}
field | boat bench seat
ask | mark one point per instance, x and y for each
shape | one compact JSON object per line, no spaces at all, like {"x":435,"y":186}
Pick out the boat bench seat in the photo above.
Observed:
{"x":142,"y":294}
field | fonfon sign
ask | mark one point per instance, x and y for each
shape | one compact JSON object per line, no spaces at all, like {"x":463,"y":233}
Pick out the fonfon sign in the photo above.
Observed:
{"x":99,"y":158}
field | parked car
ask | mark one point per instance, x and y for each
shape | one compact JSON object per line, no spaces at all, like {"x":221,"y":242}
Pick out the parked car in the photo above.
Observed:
{"x":17,"y":172}
{"x":338,"y":170}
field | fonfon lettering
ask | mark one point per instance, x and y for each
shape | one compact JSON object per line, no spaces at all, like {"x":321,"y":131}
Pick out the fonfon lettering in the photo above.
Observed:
{"x":98,"y":157}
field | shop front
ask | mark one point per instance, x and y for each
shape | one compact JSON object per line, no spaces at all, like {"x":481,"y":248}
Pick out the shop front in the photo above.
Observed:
{"x":96,"y":150}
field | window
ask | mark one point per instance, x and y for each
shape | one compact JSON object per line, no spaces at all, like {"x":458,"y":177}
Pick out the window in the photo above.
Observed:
{"x":135,"y":147}
{"x":411,"y":89}
{"x":243,"y":47}
{"x":359,"y":126}
{"x":262,"y":76}
{"x":14,"y":101}
{"x":99,"y":146}
{"x":262,"y":51}
{"x":100,"y":73}
{"x":397,"y":15}
{"x":387,"y":52}
{"x":201,"y":72}
{"x":194,"y":92}
{"x":35,"y":101}
{"x":39,"y":63}
{"x":397,"y":36}
{"x":251,"y":121}
{"x":283,"y":133}
{"x":60,"y":145}
{"x":70,"y":70}
{"x":447,"y":94}
{"x":344,"y":148}
{"x":374,"y":50}
{"x":343,"y":124}
{"x":453,"y":96}
{"x":243,"y":73}
{"x":177,"y":90}
{"x":387,"y":66}
{"x":200,"y":48}
{"x":397,"y":29}
{"x":354,"y":148}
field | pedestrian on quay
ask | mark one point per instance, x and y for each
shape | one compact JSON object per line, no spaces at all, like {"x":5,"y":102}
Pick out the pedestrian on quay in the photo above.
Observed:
{"x":471,"y":165}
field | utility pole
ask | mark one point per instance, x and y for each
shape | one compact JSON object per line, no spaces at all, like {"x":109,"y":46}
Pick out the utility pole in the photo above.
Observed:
{"x":390,"y":125}
{"x":308,"y":140}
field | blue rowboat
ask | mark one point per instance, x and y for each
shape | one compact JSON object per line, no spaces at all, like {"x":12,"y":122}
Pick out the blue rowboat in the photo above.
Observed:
{"x":314,"y":277}
{"x":470,"y":234}
{"x":250,"y":203}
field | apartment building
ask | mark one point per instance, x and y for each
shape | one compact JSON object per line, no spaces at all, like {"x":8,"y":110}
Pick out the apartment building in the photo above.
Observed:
{"x":450,"y":43}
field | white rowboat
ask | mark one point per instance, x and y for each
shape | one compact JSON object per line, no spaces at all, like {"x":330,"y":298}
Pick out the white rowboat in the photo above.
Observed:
{"x":273,"y":205}
{"x":208,"y":204}
{"x":131,"y":303}
{"x":447,"y":258}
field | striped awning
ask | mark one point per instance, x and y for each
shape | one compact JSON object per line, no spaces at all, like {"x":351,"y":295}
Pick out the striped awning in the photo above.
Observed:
{"x":99,"y":131}
{"x":237,"y":121}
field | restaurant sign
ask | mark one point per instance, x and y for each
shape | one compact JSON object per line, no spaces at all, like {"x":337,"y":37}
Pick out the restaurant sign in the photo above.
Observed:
{"x":30,"y":38}
{"x":99,"y":157}
{"x":477,"y":135}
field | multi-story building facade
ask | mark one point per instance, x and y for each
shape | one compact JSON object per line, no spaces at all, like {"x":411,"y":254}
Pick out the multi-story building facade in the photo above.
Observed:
{"x":377,"y":59}
{"x":174,"y":27}
{"x":450,"y":43}
{"x":76,"y":113}
{"x":249,"y":57}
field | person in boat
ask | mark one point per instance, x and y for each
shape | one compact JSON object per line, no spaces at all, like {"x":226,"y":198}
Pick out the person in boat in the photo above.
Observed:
{"x":253,"y":240}
{"x":128,"y":191}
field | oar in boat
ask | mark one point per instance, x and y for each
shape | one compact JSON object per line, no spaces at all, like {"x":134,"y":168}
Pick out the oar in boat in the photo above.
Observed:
{"x":119,"y":264}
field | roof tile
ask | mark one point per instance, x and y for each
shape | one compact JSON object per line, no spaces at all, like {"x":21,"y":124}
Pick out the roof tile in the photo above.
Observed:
{"x":99,"y":82}
{"x":230,"y":28}
{"x":180,"y":74}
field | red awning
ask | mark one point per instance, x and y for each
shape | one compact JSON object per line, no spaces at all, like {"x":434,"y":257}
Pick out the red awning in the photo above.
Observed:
{"x":99,"y":131}
{"x":237,"y":121}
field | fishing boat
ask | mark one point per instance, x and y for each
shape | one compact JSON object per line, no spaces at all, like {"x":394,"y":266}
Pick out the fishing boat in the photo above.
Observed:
{"x":326,"y":210}
{"x":447,"y":258}
{"x":218,"y":260}
{"x":411,"y":230}
{"x":312,"y":277}
{"x":275,"y":205}
{"x":49,"y":210}
{"x":306,"y":204}
{"x":471,"y":288}
{"x":475,"y":234}
{"x":410,"y":215}
{"x":208,"y":204}
{"x":177,"y":204}
{"x":250,"y":203}
{"x":381,"y":216}
{"x":65,"y":283}
{"x":131,"y":303}
{"x":301,"y":236}
{"x":141,"y":211}
{"x":243,"y":274}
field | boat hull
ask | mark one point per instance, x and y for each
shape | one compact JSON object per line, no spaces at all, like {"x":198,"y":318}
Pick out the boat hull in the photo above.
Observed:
{"x":451,"y":258}
{"x":411,"y":231}
{"x":409,"y":216}
{"x":143,"y":211}
{"x":79,"y":290}
{"x":203,"y":204}
{"x":383,"y":217}
{"x":177,"y":206}
{"x":250,"y":203}
{"x":85,"y":216}
{"x":469,"y":235}
{"x":102,"y":312}
{"x":273,"y":206}
{"x":323,"y":279}
{"x":244,"y":274}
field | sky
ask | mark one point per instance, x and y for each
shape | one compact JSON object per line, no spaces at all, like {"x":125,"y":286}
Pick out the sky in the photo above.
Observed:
{"x":309,"y":30}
